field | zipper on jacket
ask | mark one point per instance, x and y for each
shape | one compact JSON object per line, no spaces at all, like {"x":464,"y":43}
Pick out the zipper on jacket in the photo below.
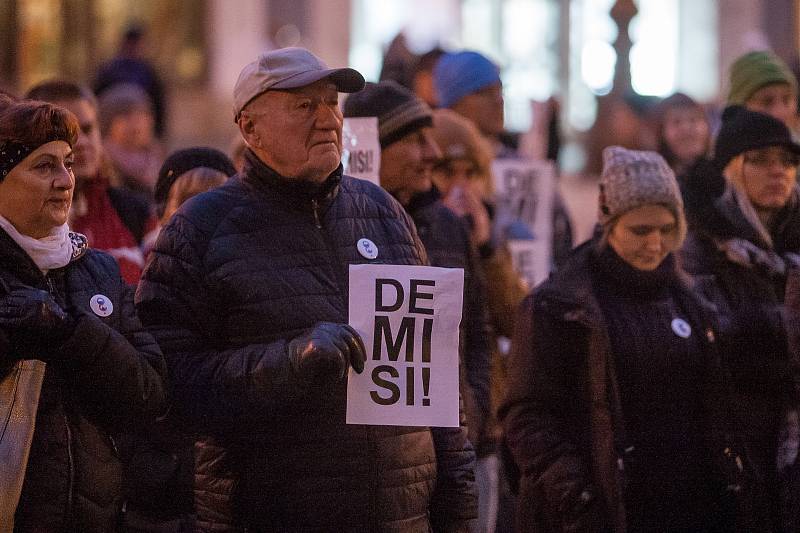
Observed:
{"x":71,"y":460}
{"x":315,"y":210}
{"x":341,"y":277}
{"x":51,"y":288}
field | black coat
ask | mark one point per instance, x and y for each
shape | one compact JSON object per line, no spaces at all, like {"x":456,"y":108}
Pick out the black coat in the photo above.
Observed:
{"x":748,"y":298}
{"x":237,"y":273}
{"x":447,"y":242}
{"x":107,"y":377}
{"x":562,"y":416}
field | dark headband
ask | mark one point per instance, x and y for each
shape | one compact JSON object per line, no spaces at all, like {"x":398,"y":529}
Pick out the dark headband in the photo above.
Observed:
{"x":11,"y":154}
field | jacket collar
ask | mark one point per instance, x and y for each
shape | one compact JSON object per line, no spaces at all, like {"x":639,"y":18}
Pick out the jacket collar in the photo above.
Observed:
{"x":423,"y":199}
{"x":263,"y":178}
{"x":570,"y":288}
{"x":19,"y":263}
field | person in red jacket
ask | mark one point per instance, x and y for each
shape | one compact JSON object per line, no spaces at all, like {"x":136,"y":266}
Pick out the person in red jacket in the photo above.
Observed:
{"x":113,"y":219}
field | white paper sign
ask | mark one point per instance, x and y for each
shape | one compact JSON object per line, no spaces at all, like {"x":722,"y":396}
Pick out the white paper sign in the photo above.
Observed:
{"x":408,"y":317}
{"x":530,"y":258}
{"x":361,"y":149}
{"x":525,"y":190}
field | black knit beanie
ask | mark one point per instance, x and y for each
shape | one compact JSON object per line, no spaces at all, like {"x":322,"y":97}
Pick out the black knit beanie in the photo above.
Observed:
{"x":182,"y":161}
{"x":399,"y":111}
{"x":744,"y":130}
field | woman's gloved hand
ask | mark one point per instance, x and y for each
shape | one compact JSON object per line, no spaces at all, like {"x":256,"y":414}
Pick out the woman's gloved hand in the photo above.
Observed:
{"x":35,"y":323}
{"x":327,"y":350}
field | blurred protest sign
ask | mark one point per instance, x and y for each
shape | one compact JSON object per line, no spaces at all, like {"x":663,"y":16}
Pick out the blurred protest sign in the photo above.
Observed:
{"x":524,"y":191}
{"x":361,"y":150}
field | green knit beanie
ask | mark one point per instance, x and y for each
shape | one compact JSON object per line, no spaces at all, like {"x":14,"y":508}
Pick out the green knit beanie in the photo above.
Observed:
{"x":755,"y":70}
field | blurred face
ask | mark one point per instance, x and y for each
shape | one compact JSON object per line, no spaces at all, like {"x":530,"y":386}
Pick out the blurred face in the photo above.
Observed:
{"x":133,"y":130}
{"x":451,"y":173}
{"x":644,"y":236}
{"x":296,"y":132}
{"x":768,"y":176}
{"x":36,"y":195}
{"x":89,"y":147}
{"x":484,"y":108}
{"x":186,"y":187}
{"x":406,"y":165}
{"x":686,"y":133}
{"x":776,"y":100}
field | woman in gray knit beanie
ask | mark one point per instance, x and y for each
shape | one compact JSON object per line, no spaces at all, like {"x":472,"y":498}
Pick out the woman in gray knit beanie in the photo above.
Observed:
{"x":641,"y":210}
{"x":615,"y":410}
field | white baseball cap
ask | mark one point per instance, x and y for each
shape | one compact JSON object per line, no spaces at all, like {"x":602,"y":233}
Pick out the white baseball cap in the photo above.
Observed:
{"x":289,"y":68}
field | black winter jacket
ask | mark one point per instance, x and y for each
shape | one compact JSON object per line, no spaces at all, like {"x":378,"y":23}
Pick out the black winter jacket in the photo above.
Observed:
{"x":447,"y":242}
{"x":563,"y":417}
{"x":748,"y":293}
{"x":237,"y":273}
{"x":108,"y":378}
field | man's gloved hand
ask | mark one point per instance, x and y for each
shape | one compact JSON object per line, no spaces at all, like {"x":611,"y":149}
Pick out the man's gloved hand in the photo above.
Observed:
{"x":35,"y":323}
{"x":327,"y":349}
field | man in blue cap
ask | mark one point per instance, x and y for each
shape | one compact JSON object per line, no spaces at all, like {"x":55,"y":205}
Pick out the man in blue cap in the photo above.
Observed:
{"x":247,"y":293}
{"x":469,"y":83}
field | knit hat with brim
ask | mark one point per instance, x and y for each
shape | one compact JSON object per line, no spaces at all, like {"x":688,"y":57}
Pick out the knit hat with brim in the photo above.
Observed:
{"x":459,"y":138}
{"x":632,"y":179}
{"x":399,"y":111}
{"x":755,"y":70}
{"x":744,"y":130}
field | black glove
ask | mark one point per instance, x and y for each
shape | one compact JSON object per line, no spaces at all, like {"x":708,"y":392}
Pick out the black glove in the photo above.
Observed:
{"x":36,"y":324}
{"x":584,"y":513}
{"x":327,"y":349}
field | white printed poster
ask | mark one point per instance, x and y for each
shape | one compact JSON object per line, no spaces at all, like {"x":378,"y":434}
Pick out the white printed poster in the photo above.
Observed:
{"x":361,"y":149}
{"x":524,"y":190}
{"x":408,"y":317}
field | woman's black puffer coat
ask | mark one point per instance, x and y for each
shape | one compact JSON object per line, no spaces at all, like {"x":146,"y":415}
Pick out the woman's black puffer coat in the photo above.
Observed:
{"x":107,"y":377}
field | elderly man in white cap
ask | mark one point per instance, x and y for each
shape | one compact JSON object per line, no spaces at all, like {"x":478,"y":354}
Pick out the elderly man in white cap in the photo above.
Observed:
{"x":247,"y":293}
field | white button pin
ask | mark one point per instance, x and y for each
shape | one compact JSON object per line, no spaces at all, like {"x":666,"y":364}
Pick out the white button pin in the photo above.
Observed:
{"x":681,"y":328}
{"x":367,"y":248}
{"x":101,"y":305}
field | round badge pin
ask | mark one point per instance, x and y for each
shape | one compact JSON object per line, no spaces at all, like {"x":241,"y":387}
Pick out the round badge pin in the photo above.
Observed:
{"x":681,"y":328}
{"x":367,"y":248}
{"x":101,"y":305}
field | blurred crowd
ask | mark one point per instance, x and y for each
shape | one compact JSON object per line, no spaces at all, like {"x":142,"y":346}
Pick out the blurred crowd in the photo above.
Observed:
{"x":190,"y":309}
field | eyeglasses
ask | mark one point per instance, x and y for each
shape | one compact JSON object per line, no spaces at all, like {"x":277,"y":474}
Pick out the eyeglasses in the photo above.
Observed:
{"x":765,"y":158}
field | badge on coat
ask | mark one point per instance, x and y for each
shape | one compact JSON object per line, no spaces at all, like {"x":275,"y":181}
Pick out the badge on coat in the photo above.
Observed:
{"x":101,"y":305}
{"x":681,"y":328}
{"x":367,"y":248}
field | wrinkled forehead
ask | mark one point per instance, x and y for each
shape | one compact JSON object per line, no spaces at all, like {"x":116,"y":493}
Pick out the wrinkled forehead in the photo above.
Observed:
{"x":320,"y":89}
{"x":57,"y":149}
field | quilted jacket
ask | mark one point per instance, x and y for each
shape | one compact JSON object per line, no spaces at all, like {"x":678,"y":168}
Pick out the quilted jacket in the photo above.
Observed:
{"x":237,"y":273}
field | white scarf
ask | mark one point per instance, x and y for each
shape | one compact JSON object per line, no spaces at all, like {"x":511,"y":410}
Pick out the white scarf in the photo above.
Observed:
{"x":52,"y":251}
